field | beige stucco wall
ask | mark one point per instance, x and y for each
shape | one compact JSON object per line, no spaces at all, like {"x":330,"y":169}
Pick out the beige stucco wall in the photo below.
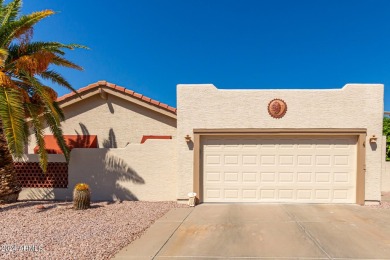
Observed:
{"x":127,"y":121}
{"x":353,"y":106}
{"x":386,"y":177}
{"x":137,"y":172}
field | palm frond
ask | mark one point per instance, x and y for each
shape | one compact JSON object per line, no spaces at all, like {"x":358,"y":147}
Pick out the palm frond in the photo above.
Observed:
{"x":39,"y":135}
{"x":10,"y":12}
{"x":56,"y":130}
{"x":60,"y":61}
{"x":44,"y":96}
{"x":12,"y":29}
{"x":23,"y":64}
{"x":16,"y":50}
{"x":3,"y":56}
{"x":59,"y":111}
{"x":13,"y":119}
{"x":56,"y":78}
{"x":73,"y":46}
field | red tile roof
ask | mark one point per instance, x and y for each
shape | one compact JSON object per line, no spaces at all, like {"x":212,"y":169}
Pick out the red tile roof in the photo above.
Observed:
{"x":123,"y":90}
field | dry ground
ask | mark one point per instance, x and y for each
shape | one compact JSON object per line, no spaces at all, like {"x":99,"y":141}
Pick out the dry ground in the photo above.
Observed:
{"x":54,"y":230}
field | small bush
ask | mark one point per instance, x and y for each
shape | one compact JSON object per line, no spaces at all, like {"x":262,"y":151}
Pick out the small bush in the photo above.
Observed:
{"x":386,"y":132}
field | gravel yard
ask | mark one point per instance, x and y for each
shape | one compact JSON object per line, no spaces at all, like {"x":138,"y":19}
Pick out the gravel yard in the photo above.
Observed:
{"x":382,"y":205}
{"x":53,"y":230}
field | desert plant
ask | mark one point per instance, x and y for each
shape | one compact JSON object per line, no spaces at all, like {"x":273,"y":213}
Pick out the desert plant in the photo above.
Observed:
{"x":81,"y":196}
{"x":386,"y":132}
{"x":23,"y":65}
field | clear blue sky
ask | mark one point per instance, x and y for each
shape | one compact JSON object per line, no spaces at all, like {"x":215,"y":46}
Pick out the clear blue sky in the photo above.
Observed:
{"x":151,"y":46}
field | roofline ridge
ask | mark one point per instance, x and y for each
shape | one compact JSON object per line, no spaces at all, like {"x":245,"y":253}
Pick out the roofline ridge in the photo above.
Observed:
{"x":129,"y":92}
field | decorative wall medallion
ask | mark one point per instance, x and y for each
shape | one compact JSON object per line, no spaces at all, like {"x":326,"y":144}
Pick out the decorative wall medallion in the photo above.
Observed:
{"x":277,"y":108}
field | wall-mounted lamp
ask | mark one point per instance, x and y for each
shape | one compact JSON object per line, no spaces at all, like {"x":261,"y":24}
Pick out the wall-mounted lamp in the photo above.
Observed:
{"x":188,"y":138}
{"x":373,"y":139}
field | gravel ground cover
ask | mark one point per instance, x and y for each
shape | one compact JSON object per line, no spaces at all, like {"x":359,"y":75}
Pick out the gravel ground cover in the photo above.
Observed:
{"x":382,"y":205}
{"x":385,"y":203}
{"x":54,"y":230}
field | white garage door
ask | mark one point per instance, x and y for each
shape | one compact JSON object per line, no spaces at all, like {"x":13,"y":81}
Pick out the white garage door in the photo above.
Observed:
{"x":279,"y":169}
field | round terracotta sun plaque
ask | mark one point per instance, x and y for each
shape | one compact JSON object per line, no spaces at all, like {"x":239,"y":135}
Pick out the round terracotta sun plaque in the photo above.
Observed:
{"x":277,"y":108}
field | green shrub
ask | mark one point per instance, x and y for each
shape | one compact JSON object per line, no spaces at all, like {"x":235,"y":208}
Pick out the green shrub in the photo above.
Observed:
{"x":386,"y":132}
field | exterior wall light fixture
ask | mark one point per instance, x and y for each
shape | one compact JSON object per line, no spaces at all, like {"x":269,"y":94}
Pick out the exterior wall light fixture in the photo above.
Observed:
{"x":188,"y":138}
{"x":373,"y":139}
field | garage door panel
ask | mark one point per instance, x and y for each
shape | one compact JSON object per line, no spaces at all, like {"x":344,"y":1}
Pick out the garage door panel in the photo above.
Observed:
{"x":323,"y":160}
{"x":322,"y":177}
{"x":286,"y":160}
{"x":249,"y":194}
{"x":341,"y":160}
{"x":213,"y":177}
{"x":249,"y":160}
{"x":304,"y":194}
{"x":341,"y":195}
{"x":232,"y":177}
{"x":231,"y":159}
{"x":341,"y":177}
{"x":296,"y":169}
{"x":268,"y":177}
{"x":213,"y":195}
{"x":213,"y":159}
{"x":304,"y":160}
{"x":250,"y":177}
{"x":267,"y":160}
{"x":286,"y":177}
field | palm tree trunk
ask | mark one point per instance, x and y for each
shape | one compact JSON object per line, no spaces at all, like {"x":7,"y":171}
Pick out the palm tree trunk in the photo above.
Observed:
{"x":9,"y":184}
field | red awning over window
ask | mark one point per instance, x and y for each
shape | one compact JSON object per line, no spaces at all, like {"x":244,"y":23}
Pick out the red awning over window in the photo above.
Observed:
{"x":73,"y":141}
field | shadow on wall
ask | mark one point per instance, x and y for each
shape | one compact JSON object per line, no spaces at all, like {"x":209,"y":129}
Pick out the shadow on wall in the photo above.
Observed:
{"x":104,"y":175}
{"x":111,"y":141}
{"x":83,"y":139}
{"x":101,"y":169}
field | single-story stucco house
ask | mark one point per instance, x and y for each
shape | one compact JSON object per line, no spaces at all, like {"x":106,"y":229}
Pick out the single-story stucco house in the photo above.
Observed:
{"x":298,"y":146}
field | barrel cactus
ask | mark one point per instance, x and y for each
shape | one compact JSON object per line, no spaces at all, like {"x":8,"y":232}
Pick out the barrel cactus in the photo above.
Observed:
{"x":81,"y":196}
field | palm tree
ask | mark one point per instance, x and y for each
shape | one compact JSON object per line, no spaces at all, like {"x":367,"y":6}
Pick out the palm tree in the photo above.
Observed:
{"x":25,"y":102}
{"x":9,"y":185}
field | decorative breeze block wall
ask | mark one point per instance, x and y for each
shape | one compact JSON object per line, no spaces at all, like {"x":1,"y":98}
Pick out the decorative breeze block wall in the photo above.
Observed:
{"x":31,"y":175}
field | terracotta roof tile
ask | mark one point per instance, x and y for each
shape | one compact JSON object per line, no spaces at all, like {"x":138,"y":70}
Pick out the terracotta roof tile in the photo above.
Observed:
{"x":94,"y":85}
{"x":137,"y":95}
{"x":155,"y":102}
{"x":163,"y":105}
{"x":146,"y":99}
{"x":110,"y":85}
{"x":172,"y":109}
{"x":103,"y":83}
{"x":128,"y":91}
{"x":120,"y":88}
{"x":65,"y":96}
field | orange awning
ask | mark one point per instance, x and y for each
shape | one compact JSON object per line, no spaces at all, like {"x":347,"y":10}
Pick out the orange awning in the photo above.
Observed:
{"x":73,"y":141}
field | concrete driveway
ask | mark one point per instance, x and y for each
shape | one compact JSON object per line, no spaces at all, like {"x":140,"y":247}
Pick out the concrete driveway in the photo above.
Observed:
{"x":266,"y":231}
